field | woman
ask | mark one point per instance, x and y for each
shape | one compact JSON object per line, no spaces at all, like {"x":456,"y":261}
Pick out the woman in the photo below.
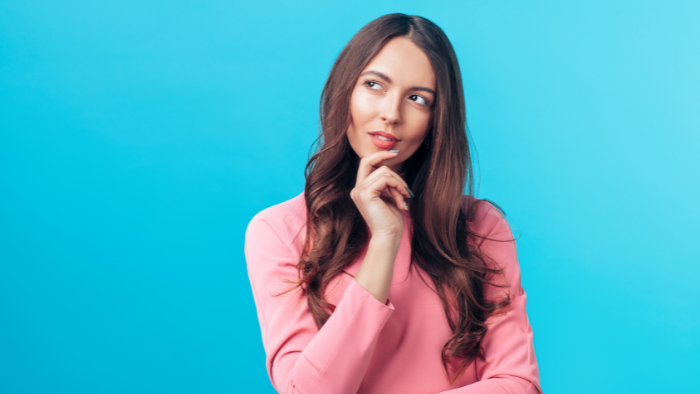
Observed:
{"x":382,"y":210}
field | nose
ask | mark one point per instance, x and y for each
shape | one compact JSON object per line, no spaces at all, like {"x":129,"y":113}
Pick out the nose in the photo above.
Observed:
{"x":391,"y":113}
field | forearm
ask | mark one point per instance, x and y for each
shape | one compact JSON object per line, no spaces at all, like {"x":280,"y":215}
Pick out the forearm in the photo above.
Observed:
{"x":377,"y":269}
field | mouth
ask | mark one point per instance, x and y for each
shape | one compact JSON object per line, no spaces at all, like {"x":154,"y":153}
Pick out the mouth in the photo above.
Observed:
{"x":384,"y":136}
{"x":383,"y":140}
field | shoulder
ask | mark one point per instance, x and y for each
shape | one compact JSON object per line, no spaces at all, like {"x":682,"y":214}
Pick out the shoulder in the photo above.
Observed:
{"x":486,"y":218}
{"x":284,"y":221}
{"x":497,"y":246}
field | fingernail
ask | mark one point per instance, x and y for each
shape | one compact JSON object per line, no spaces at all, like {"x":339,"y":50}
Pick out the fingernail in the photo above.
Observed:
{"x":405,"y":205}
{"x":409,"y":192}
{"x":394,"y":151}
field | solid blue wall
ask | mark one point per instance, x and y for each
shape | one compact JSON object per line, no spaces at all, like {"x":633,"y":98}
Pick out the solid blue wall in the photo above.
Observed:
{"x":138,"y":138}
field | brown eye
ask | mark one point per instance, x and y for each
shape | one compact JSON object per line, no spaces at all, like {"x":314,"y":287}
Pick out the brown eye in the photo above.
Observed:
{"x":425,"y":101}
{"x":372,"y":84}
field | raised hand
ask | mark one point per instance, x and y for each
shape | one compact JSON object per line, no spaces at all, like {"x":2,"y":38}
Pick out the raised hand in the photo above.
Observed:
{"x":380,"y":194}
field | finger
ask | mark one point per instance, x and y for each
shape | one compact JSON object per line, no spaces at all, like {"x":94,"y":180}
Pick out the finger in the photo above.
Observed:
{"x":382,"y":171}
{"x":368,"y":163}
{"x":399,"y":198}
{"x":385,"y":181}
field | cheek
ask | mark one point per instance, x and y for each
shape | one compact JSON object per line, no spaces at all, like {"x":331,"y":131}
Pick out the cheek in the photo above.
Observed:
{"x":419,"y":127}
{"x":361,"y":109}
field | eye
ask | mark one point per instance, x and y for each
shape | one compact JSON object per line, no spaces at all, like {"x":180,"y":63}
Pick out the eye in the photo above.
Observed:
{"x":418,"y":97}
{"x":372,"y":85}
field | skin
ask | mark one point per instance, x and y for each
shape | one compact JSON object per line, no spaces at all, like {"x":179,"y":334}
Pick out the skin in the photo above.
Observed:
{"x":396,"y":107}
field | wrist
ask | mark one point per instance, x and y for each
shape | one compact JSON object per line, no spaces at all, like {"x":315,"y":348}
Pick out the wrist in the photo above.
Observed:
{"x":386,"y":239}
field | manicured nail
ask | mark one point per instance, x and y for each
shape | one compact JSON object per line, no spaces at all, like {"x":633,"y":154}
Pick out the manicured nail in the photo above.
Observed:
{"x":409,"y":192}
{"x":405,"y":205}
{"x":394,"y":151}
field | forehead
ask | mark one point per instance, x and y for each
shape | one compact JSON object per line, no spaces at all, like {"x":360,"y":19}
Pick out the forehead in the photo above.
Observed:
{"x":405,"y":63}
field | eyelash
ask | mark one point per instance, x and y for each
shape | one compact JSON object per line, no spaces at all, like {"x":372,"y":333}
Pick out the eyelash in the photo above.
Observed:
{"x":426,"y":100}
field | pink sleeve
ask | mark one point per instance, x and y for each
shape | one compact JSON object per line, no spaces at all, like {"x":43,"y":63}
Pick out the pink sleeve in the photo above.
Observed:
{"x":300,"y":357}
{"x":510,"y":366}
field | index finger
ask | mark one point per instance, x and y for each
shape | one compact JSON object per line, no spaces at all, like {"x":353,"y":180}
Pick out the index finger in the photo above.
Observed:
{"x":366,"y":164}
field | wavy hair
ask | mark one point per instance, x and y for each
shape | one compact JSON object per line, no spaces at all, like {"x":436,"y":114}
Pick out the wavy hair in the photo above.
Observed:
{"x":437,"y":172}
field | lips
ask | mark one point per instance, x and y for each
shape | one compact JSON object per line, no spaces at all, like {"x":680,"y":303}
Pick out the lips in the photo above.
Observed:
{"x":385,"y":135}
{"x":383,"y":144}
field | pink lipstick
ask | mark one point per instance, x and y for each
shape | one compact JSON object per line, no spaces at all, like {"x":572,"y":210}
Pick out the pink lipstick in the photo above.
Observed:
{"x":383,"y":140}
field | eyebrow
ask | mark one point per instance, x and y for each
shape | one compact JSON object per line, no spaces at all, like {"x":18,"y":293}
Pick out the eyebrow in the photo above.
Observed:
{"x":386,"y":78}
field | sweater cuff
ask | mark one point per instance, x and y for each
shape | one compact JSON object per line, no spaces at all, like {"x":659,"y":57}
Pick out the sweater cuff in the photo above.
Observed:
{"x":343,"y":349}
{"x":356,"y":288}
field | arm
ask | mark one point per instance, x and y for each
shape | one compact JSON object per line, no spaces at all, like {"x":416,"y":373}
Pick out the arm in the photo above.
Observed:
{"x":510,"y":366}
{"x":300,"y":358}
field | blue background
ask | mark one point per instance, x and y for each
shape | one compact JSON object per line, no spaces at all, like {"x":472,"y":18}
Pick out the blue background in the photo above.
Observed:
{"x":138,"y":138}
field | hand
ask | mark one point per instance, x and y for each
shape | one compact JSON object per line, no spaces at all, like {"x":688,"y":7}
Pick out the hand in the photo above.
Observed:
{"x":380,"y":195}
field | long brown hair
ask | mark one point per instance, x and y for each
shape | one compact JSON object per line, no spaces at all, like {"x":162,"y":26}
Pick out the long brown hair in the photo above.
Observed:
{"x":438,"y":172}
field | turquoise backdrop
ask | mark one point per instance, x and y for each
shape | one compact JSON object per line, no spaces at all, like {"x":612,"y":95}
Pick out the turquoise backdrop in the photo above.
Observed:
{"x":138,"y":138}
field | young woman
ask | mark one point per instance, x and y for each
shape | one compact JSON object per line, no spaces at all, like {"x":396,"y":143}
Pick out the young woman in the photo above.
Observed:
{"x":382,"y":277}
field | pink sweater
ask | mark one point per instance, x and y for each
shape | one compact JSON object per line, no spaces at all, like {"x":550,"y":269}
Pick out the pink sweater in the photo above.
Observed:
{"x":369,"y":347}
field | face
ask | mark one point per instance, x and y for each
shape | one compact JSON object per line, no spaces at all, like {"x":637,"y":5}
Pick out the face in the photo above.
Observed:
{"x":394,"y":97}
